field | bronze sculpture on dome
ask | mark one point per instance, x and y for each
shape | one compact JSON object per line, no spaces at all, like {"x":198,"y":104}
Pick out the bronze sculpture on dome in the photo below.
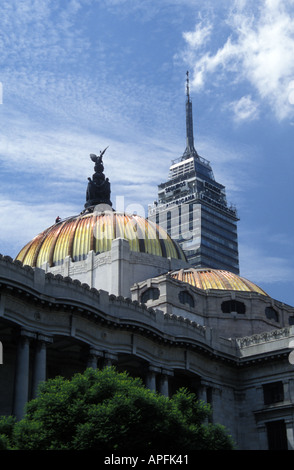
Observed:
{"x":98,"y":189}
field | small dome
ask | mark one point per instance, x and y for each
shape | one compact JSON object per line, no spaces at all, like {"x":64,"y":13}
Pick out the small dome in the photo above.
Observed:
{"x":215,"y":279}
{"x":77,"y":235}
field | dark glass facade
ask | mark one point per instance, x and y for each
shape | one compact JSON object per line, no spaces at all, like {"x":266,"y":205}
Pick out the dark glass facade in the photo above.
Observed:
{"x":193,"y":209}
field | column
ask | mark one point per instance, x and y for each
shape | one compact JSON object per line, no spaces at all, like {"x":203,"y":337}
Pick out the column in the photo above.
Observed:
{"x":109,"y":359}
{"x":291,"y":390}
{"x":163,"y":385}
{"x":39,"y":370}
{"x":94,"y":354}
{"x":289,"y":432}
{"x":262,"y":437}
{"x":202,"y":393}
{"x":21,"y":381}
{"x":92,"y":360}
{"x":151,"y":378}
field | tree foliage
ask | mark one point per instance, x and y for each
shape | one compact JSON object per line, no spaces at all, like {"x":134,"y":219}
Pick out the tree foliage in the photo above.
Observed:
{"x":110,"y":411}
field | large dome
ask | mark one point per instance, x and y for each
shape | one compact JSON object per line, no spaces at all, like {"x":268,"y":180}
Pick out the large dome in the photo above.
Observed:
{"x":218,"y":279}
{"x":76,"y":236}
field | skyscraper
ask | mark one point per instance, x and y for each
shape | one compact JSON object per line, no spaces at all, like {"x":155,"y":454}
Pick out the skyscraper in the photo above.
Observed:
{"x":192,"y":207}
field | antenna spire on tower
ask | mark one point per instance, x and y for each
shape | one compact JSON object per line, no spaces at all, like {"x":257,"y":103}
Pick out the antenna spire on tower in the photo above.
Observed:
{"x":190,"y":150}
{"x":187,"y":85}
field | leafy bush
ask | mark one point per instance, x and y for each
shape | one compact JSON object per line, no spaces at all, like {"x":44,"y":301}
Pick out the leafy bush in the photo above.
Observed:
{"x":110,"y":411}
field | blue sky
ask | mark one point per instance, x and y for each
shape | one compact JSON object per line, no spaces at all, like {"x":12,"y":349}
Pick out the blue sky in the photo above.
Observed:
{"x":79,"y":75}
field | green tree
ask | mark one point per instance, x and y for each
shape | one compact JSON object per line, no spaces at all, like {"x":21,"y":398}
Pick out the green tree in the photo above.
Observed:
{"x":110,"y":411}
{"x":6,"y":430}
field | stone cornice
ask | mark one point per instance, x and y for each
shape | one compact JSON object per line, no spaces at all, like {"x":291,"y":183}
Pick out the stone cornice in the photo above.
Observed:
{"x":57,"y":293}
{"x":263,"y":337}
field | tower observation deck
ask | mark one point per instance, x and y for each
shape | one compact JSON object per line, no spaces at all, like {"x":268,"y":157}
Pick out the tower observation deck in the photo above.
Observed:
{"x":192,"y":207}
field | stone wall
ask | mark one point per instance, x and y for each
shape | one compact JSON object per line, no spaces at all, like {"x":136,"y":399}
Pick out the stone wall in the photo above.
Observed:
{"x":52,"y":325}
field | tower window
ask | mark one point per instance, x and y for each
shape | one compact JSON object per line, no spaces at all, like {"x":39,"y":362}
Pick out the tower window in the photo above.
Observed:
{"x":271,"y":314}
{"x":230,"y":306}
{"x":168,"y":221}
{"x":291,"y":320}
{"x":186,"y":298}
{"x":150,"y":294}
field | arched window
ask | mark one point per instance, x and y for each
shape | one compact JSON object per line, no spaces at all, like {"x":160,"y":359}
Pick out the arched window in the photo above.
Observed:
{"x":271,"y":314}
{"x":150,"y":294}
{"x":230,"y":306}
{"x":186,"y":298}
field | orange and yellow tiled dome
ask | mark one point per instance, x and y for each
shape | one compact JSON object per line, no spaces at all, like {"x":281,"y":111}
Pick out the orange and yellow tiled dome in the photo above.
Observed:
{"x":76,"y":236}
{"x":215,"y":279}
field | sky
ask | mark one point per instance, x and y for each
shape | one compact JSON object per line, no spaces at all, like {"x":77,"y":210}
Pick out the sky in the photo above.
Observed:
{"x":77,"y":76}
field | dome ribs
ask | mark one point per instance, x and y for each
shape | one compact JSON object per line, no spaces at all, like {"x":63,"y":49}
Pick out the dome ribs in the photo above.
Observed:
{"x":78,"y":235}
{"x":74,"y":225}
{"x":216,"y":279}
{"x":53,"y":243}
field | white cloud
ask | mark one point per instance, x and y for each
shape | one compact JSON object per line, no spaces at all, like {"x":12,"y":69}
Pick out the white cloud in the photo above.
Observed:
{"x":259,"y":50}
{"x":36,"y":32}
{"x":199,"y":36}
{"x":25,"y":221}
{"x":244,"y":109}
